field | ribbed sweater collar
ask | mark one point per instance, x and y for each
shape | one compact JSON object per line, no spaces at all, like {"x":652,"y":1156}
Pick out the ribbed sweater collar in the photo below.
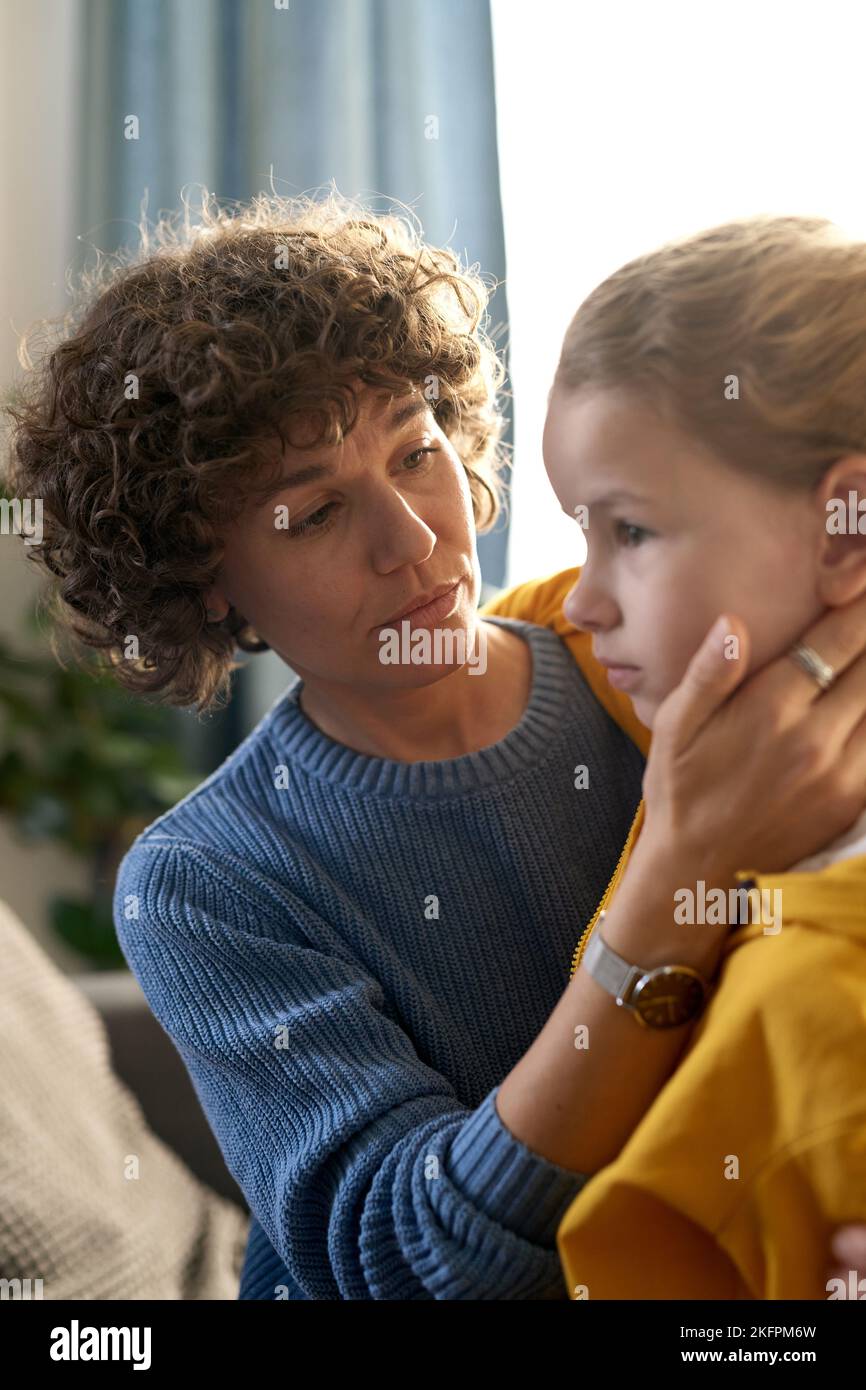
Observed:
{"x":305,"y":746}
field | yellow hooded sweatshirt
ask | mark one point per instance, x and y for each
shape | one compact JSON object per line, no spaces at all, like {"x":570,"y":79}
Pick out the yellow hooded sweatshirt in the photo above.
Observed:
{"x":754,"y":1151}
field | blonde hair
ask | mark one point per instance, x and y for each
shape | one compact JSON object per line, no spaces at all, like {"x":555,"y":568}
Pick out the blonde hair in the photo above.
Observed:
{"x":751,"y":336}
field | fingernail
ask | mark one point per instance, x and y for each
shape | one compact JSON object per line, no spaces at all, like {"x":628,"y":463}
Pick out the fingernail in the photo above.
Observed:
{"x":849,"y":1245}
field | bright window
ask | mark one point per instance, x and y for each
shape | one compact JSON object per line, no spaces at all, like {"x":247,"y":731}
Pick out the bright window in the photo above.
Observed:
{"x":622,"y":125}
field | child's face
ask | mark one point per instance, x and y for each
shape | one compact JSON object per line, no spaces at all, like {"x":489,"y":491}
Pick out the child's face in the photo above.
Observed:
{"x":675,"y":538}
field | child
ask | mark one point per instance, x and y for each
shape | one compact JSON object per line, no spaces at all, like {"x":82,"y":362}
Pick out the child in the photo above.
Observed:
{"x":709,"y":412}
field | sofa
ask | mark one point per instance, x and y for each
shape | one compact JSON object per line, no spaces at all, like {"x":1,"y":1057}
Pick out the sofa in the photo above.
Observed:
{"x":145,"y":1058}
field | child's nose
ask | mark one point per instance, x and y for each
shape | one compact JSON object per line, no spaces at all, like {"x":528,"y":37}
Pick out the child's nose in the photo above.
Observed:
{"x":587,"y":609}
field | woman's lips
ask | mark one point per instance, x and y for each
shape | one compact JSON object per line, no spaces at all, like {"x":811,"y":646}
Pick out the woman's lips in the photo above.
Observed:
{"x":431,"y":613}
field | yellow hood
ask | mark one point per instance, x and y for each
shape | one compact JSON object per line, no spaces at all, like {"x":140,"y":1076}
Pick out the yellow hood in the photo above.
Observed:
{"x":832,"y":900}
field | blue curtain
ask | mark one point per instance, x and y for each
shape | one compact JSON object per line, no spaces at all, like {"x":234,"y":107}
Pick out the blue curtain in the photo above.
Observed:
{"x":389,"y":99}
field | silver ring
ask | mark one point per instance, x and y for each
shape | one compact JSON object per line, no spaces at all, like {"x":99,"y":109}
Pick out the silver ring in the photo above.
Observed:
{"x":813,"y":664}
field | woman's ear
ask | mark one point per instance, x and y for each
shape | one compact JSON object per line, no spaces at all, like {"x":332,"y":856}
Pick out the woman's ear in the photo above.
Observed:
{"x":218,"y":606}
{"x":841,"y":501}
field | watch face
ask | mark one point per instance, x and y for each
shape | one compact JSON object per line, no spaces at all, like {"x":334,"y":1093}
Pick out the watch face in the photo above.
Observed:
{"x":669,"y":996}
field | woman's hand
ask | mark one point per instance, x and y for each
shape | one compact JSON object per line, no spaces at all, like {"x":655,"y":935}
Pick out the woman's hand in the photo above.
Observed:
{"x":848,"y":1249}
{"x":758,"y":777}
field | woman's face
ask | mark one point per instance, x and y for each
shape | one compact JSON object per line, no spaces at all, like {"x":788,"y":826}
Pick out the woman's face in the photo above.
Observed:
{"x":349,"y":538}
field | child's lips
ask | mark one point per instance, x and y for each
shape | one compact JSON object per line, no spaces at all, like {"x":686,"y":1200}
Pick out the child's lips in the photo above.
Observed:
{"x":623,"y":677}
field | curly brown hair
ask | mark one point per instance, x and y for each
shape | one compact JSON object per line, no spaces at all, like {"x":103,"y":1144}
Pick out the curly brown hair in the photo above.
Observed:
{"x":153,"y":420}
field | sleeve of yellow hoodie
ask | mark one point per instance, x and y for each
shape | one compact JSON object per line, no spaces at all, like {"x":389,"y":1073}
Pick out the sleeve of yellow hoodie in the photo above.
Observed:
{"x":755,"y":1149}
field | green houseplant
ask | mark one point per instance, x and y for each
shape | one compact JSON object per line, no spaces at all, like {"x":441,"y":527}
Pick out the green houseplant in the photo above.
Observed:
{"x":83,"y":763}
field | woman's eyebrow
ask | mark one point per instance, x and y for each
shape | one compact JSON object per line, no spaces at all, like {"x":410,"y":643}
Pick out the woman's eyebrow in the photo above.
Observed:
{"x":417,"y":406}
{"x":306,"y":474}
{"x":309,"y":472}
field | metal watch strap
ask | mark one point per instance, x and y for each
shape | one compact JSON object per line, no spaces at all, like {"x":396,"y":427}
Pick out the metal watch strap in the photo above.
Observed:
{"x":619,"y":976}
{"x":610,"y":970}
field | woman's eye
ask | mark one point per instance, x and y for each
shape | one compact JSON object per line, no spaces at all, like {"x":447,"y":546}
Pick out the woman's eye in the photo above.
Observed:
{"x":630,"y":534}
{"x":319,"y":520}
{"x":316,"y":521}
{"x":418,"y":453}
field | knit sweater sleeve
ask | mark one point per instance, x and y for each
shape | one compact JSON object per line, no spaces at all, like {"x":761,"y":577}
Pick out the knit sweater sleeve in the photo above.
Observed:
{"x":369,"y":1177}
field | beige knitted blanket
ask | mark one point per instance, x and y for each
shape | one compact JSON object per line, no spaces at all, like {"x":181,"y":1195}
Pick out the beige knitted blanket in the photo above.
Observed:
{"x":91,"y":1202}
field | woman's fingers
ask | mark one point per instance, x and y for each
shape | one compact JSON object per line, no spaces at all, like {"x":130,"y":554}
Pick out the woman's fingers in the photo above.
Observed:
{"x":837,"y":713}
{"x":760,"y":771}
{"x":839,"y":638}
{"x":849,"y":1247}
{"x":826,"y":729}
{"x":710,"y":678}
{"x":782,"y":691}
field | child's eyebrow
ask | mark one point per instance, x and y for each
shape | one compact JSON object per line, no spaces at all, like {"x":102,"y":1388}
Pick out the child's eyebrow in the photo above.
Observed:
{"x":620,"y":494}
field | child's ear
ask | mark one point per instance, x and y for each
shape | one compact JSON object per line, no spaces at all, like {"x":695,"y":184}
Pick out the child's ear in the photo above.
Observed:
{"x":841,"y":499}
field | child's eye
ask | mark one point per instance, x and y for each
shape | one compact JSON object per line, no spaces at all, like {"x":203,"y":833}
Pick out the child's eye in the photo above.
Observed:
{"x":630,"y":535}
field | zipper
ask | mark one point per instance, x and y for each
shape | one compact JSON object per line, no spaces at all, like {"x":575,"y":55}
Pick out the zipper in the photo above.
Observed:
{"x":581,"y":945}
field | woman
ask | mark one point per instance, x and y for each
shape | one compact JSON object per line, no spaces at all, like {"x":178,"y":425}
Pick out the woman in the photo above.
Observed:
{"x":358,"y":930}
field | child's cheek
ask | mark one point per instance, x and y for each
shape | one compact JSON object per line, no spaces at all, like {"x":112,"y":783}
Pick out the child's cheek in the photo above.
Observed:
{"x":646,"y":709}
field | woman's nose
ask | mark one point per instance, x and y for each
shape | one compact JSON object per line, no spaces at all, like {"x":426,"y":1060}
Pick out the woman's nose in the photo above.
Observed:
{"x":400,"y":535}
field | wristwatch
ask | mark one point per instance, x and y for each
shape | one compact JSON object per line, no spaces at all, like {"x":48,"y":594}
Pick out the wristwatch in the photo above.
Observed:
{"x":664,"y":996}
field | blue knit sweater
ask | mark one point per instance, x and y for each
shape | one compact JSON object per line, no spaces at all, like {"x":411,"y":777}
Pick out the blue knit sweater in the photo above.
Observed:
{"x":351,"y":953}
